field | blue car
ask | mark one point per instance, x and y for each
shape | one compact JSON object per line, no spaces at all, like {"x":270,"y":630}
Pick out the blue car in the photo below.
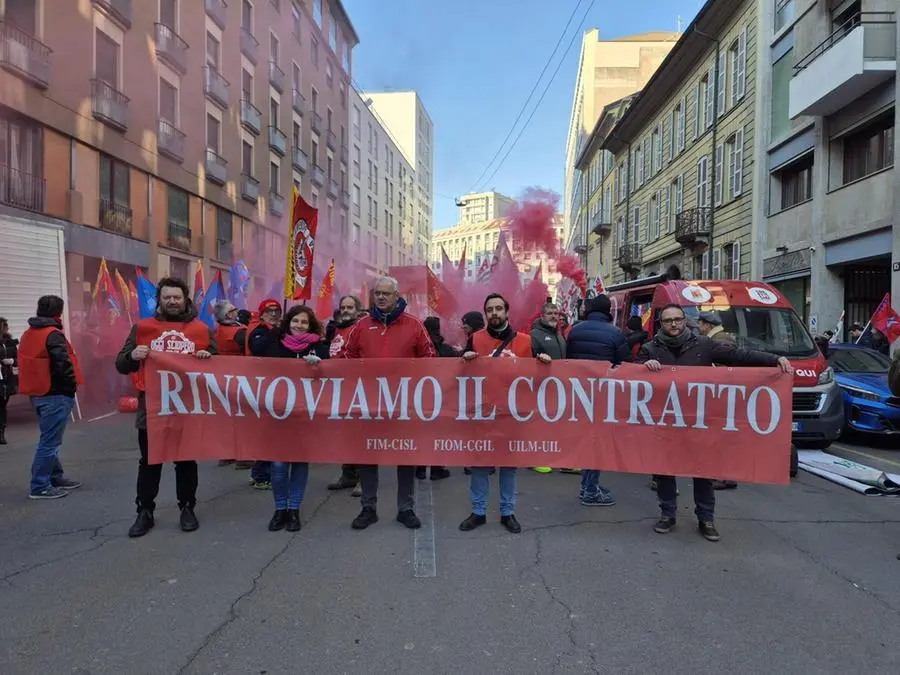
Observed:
{"x":861,"y":374}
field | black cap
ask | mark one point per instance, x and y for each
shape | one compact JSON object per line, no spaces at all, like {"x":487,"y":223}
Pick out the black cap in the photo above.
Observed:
{"x":473,"y":320}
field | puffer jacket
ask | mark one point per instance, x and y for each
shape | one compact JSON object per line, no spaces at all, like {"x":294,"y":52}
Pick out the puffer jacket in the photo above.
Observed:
{"x":597,"y":339}
{"x":547,"y":340}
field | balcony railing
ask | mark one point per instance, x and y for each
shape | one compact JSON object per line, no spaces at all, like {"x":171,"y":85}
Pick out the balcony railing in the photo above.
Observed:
{"x":215,"y":87}
{"x":249,"y":188}
{"x":876,"y":18}
{"x":345,"y":155}
{"x":276,"y":77}
{"x":331,"y":140}
{"x":118,"y":10}
{"x":250,"y":117}
{"x":276,"y":203}
{"x":318,"y":175}
{"x":316,"y":123}
{"x":215,"y":10}
{"x":216,"y":167}
{"x":277,"y":141}
{"x":578,"y":243}
{"x":332,"y":188}
{"x":298,"y":102}
{"x":692,"y":224}
{"x":224,"y":250}
{"x":179,"y":235}
{"x":24,"y":55}
{"x":249,"y":45}
{"x":630,"y":256}
{"x":21,"y":190}
{"x":601,"y":225}
{"x":300,"y":160}
{"x":109,"y":105}
{"x":170,"y":141}
{"x":171,"y":48}
{"x":115,"y":217}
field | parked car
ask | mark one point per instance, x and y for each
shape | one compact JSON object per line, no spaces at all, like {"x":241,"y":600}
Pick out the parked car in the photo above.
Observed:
{"x":861,"y":373}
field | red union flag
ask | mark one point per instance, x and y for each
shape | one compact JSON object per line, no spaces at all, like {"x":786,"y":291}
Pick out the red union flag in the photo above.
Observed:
{"x":729,"y":423}
{"x":301,"y":248}
{"x":886,"y":320}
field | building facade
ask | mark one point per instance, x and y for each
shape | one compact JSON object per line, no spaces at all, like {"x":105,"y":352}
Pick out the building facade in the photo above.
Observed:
{"x":827,"y":187}
{"x":483,"y":207}
{"x":165,"y":132}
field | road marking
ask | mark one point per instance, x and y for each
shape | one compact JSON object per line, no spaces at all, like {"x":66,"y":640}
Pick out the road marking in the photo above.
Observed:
{"x":424,"y":561}
{"x":102,"y":417}
{"x":860,"y":453}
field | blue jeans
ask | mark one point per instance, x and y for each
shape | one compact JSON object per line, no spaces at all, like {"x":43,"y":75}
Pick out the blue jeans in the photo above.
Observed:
{"x":590,"y":482}
{"x":53,"y":413}
{"x":480,"y":485}
{"x":289,"y":484}
{"x":261,"y":471}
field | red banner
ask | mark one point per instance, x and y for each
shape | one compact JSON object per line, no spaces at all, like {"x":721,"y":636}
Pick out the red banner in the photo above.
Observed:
{"x":710,"y":422}
{"x":298,"y":271}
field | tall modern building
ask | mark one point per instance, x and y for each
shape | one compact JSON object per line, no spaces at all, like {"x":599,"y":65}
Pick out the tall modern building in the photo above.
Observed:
{"x":159,"y":133}
{"x":608,"y":70}
{"x":482,"y":207}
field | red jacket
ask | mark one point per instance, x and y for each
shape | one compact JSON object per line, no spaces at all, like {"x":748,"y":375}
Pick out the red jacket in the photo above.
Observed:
{"x":405,"y":337}
{"x":339,"y":341}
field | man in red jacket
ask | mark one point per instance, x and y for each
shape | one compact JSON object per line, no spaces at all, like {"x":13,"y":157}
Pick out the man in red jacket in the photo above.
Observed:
{"x":388,"y":332}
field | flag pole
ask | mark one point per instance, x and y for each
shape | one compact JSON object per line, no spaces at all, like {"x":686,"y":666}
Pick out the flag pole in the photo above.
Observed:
{"x":864,"y":331}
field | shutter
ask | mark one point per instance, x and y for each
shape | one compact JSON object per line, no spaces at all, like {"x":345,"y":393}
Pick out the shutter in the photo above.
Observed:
{"x":736,"y":259}
{"x":659,"y":147}
{"x":647,"y":156}
{"x":741,"y":65}
{"x":671,"y":135}
{"x":682,"y":123}
{"x":704,"y":265}
{"x":723,"y":83}
{"x":720,"y":174}
{"x":696,"y":110}
{"x":717,"y":263}
{"x":737,"y":168}
{"x":710,"y":94}
{"x":666,"y":205}
{"x":679,"y":194}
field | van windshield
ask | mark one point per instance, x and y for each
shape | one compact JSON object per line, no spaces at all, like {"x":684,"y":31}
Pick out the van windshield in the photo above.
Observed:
{"x":778,"y":331}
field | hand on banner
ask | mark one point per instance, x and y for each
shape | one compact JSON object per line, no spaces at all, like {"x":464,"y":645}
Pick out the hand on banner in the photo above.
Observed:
{"x":785,"y":365}
{"x":8,"y":362}
{"x":544,"y":358}
{"x":468,"y":356}
{"x":653,"y":366}
{"x":202,"y":354}
{"x":312,"y":359}
{"x":140,"y":352}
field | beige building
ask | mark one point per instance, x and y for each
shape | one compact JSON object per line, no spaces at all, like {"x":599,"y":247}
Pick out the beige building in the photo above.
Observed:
{"x":482,"y":207}
{"x":682,"y":183}
{"x":608,"y":70}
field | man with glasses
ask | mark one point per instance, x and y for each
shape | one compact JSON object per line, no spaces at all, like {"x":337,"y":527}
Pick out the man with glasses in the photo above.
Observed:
{"x":676,"y":345}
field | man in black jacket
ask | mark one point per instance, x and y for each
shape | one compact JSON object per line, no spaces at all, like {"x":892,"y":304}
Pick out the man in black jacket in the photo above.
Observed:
{"x":545,"y":335}
{"x":676,"y":345}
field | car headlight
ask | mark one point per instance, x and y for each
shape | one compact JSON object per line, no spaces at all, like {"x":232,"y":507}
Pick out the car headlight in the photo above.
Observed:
{"x":862,"y":393}
{"x":826,"y":376}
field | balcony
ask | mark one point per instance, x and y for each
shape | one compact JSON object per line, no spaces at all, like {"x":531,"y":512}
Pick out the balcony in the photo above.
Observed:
{"x":250,"y":117}
{"x":109,"y":106}
{"x":345,"y":200}
{"x":216,"y":167}
{"x":216,"y":10}
{"x":579,"y":245}
{"x":179,"y":235}
{"x":692,"y":224}
{"x":345,"y":155}
{"x":300,"y":160}
{"x":23,"y":55}
{"x":853,"y":60}
{"x":630,"y":256}
{"x":249,"y":45}
{"x":224,"y":250}
{"x":276,"y":77}
{"x":118,"y":10}
{"x":21,"y":190}
{"x":277,"y":141}
{"x":601,"y":225}
{"x":332,"y":188}
{"x":170,"y":141}
{"x":298,"y":102}
{"x":215,"y":87}
{"x":115,"y":217}
{"x":171,"y":48}
{"x":316,"y":123}
{"x":249,"y":188}
{"x":331,"y":140}
{"x":276,"y":204}
{"x":318,"y":175}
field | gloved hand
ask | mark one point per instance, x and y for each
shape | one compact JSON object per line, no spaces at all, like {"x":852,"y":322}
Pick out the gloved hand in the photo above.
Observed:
{"x":8,"y":362}
{"x":312,"y":359}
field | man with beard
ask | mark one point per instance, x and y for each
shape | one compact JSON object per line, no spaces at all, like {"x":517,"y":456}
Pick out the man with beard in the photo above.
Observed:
{"x":175,"y":329}
{"x":676,"y":345}
{"x":349,"y":309}
{"x":498,"y":340}
{"x":388,"y":332}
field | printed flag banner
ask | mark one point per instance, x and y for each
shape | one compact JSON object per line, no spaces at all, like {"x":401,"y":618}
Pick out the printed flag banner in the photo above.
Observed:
{"x":729,"y":423}
{"x":301,"y":248}
{"x":886,"y":320}
{"x":216,"y":291}
{"x":325,"y":300}
{"x":199,"y":286}
{"x":146,"y":295}
{"x":440,"y":299}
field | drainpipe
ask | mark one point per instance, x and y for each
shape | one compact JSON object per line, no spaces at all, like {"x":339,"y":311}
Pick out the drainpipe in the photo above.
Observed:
{"x":715,"y":134}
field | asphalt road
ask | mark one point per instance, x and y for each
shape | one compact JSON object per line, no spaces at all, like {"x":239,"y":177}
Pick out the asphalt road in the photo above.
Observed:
{"x":804,"y":580}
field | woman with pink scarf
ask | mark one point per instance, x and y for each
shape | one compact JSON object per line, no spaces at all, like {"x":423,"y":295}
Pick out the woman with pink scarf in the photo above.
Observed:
{"x":298,"y":337}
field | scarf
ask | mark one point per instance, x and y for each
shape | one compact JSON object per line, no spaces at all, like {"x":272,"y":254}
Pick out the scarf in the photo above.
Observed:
{"x":502,"y":334}
{"x":674,"y":343}
{"x":388,"y":318}
{"x":299,"y":343}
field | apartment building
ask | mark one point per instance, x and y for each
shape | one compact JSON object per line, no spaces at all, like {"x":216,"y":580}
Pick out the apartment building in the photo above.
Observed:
{"x":608,"y":70}
{"x":683,"y":154}
{"x":483,"y":207}
{"x":161,"y":132}
{"x":827,"y":187}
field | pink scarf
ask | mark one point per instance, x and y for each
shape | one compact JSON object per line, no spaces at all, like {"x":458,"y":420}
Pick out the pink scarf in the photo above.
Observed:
{"x":299,"y":343}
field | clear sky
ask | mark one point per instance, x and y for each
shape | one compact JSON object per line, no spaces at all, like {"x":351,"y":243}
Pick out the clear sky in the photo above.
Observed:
{"x":473,"y":63}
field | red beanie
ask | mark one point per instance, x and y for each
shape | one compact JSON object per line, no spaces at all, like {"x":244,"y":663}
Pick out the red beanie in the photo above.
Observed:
{"x":268,"y":303}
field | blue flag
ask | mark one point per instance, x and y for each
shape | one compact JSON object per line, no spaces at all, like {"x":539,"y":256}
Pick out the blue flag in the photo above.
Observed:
{"x":214,"y":293}
{"x":146,"y":296}
{"x":240,"y":284}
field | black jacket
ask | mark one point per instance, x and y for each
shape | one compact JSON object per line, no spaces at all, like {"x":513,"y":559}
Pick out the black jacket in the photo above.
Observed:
{"x":9,"y":381}
{"x":272,"y":348}
{"x":547,"y":340}
{"x":259,"y":339}
{"x":597,"y":339}
{"x":441,"y":347}
{"x":703,"y":351}
{"x":62,"y":370}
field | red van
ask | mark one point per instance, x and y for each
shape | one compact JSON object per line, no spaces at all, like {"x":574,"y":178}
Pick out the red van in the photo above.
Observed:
{"x":760,"y":318}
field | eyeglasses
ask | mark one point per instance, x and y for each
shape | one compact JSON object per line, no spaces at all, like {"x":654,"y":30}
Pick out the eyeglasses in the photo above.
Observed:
{"x":382,"y":294}
{"x":672,"y":322}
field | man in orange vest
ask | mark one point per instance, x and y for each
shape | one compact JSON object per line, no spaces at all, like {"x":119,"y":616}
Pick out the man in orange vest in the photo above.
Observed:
{"x":350,"y":309}
{"x":49,"y":373}
{"x":498,"y":340}
{"x":231,"y":336}
{"x":176,"y":329}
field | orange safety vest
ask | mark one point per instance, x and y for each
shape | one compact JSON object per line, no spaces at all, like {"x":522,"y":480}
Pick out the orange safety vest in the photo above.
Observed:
{"x":34,"y":361}
{"x":485,"y":345}
{"x":170,"y":337}
{"x":225,"y":340}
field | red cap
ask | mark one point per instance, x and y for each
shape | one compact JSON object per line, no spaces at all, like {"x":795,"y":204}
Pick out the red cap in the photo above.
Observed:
{"x":269,"y":303}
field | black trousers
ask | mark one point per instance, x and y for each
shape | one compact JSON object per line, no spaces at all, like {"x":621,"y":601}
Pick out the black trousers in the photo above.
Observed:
{"x":350,"y":472}
{"x":149,"y":475}
{"x":3,"y":401}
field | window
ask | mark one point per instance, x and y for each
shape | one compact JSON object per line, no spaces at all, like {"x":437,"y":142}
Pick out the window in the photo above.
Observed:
{"x":639,"y":165}
{"x":22,"y":150}
{"x":295,"y":22}
{"x":636,"y":226}
{"x":342,"y":93}
{"x":297,"y":78}
{"x":719,"y":190}
{"x":314,"y":153}
{"x":697,"y":110}
{"x":106,"y":64}
{"x":355,"y":233}
{"x":332,"y":32}
{"x":869,"y":150}
{"x":213,"y":133}
{"x":717,"y":263}
{"x":168,"y":13}
{"x":356,"y":162}
{"x":681,"y":113}
{"x":274,"y":177}
{"x":314,"y":51}
{"x":796,"y":182}
{"x":314,"y":98}
{"x":646,"y":156}
{"x":317,"y":12}
{"x":223,"y":227}
{"x":723,"y":85}
{"x":246,"y":158}
{"x":273,"y":112}
{"x":655,"y":214}
{"x":736,"y":161}
{"x":114,"y":181}
{"x":370,"y":174}
{"x":709,"y":96}
{"x":329,"y":118}
{"x":273,"y":48}
{"x":375,"y":179}
{"x":703,"y":182}
{"x":178,"y":211}
{"x":296,"y":135}
{"x":738,"y":56}
{"x":329,"y":167}
{"x":246,"y":86}
{"x":168,"y":102}
{"x":658,"y":148}
{"x":345,"y":56}
{"x":247,"y":16}
{"x":375,"y":212}
{"x":731,"y":261}
{"x":355,"y":122}
{"x":329,"y":75}
{"x":213,"y":51}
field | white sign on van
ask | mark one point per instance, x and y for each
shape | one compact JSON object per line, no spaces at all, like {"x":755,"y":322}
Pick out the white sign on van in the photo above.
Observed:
{"x":696,"y":294}
{"x":762,"y":295}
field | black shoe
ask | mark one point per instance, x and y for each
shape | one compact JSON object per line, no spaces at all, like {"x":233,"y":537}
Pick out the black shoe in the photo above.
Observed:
{"x":189,"y":521}
{"x":342,"y":483}
{"x":472,"y":522}
{"x":664,"y":525}
{"x":293,"y":520}
{"x":421,"y":473}
{"x":439,"y":473}
{"x":708,"y":530}
{"x":510,"y":523}
{"x":467,"y":471}
{"x":2,"y":435}
{"x":366,"y":517}
{"x":142,"y":524}
{"x":409,"y":519}
{"x":279,"y":519}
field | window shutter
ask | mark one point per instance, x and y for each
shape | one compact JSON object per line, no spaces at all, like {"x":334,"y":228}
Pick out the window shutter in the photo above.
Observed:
{"x":646,"y":155}
{"x":710,"y":94}
{"x":696,"y":110}
{"x":741,"y":65}
{"x":659,"y":147}
{"x":720,"y":174}
{"x":666,"y":203}
{"x":704,"y":264}
{"x":723,"y":83}
{"x":717,"y":263}
{"x":682,"y":121}
{"x":671,"y":135}
{"x":737,"y":167}
{"x":736,"y":259}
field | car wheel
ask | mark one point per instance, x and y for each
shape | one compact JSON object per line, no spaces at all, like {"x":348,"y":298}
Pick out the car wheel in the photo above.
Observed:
{"x":794,"y":461}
